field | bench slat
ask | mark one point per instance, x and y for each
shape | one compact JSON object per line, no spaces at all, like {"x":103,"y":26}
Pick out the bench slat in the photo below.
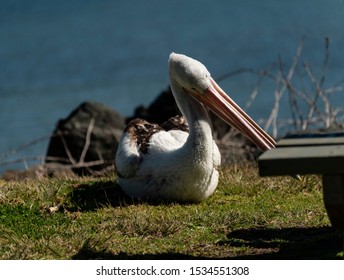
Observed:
{"x":310,"y":141}
{"x":326,"y":159}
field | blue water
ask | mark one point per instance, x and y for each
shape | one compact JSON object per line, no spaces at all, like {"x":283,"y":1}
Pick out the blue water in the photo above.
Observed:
{"x":56,"y":54}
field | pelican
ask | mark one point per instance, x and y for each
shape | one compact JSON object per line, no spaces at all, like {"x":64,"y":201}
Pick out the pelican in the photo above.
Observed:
{"x":182,"y":165}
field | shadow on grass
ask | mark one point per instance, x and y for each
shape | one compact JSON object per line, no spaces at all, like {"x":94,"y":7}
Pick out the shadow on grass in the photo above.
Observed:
{"x":288,"y":243}
{"x":92,"y":197}
{"x":87,"y":253}
{"x":86,"y":197}
{"x":256,"y":244}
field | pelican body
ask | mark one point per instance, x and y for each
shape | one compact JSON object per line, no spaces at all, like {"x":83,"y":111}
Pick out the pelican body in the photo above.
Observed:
{"x":180,"y":162}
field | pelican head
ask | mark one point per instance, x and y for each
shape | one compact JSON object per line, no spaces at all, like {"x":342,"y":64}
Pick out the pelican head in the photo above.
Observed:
{"x":194,"y":79}
{"x":189,"y":73}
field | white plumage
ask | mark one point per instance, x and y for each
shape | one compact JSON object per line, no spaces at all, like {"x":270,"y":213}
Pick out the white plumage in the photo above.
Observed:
{"x":176,"y":165}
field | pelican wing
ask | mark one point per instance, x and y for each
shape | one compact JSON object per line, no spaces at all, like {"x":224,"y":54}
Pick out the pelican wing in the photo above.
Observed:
{"x":142,"y":139}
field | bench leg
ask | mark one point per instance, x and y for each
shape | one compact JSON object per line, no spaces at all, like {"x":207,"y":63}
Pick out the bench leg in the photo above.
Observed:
{"x":333,"y":188}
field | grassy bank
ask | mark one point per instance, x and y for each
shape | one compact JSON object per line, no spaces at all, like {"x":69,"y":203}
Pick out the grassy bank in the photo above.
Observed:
{"x":247,"y":218}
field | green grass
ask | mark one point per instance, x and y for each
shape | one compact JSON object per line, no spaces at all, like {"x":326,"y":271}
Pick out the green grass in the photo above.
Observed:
{"x":248,"y":217}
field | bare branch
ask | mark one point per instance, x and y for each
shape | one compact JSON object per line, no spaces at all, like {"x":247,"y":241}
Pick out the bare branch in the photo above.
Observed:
{"x":325,"y":63}
{"x":319,"y":93}
{"x":87,"y":141}
{"x":69,"y":154}
{"x":331,"y":90}
{"x":23,"y":160}
{"x":254,"y":93}
{"x":274,"y":112}
{"x":25,"y":146}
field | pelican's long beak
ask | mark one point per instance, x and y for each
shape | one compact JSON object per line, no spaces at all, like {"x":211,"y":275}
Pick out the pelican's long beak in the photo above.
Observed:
{"x":223,"y":106}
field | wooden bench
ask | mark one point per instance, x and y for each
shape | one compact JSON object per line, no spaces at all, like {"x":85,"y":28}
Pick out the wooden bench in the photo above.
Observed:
{"x":320,"y":153}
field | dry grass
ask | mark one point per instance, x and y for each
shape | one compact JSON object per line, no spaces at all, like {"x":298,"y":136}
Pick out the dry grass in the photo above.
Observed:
{"x":247,"y":217}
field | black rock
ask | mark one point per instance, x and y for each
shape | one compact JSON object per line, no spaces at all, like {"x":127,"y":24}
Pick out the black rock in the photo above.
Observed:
{"x":87,"y":139}
{"x":159,"y":111}
{"x":164,"y":107}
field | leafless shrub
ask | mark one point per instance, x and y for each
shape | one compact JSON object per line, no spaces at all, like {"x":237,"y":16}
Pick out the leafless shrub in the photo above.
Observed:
{"x":308,"y":109}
